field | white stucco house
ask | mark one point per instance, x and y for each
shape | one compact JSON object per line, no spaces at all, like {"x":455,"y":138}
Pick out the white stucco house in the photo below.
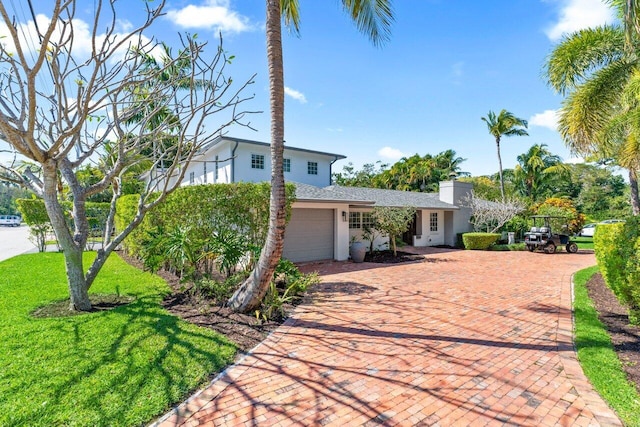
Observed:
{"x":325,"y":218}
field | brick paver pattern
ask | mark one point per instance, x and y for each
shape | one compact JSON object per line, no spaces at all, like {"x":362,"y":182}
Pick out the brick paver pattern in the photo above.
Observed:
{"x":464,"y":338}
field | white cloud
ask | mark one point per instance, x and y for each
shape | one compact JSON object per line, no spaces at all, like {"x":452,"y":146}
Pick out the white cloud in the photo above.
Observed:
{"x":298,"y":96}
{"x":214,"y":14}
{"x":547,"y":119}
{"x":578,"y":14}
{"x":390,"y":153}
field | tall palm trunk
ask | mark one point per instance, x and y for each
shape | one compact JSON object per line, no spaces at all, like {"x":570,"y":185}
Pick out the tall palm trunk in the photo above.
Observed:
{"x":500,"y":168}
{"x":252,"y":291}
{"x":635,"y":197}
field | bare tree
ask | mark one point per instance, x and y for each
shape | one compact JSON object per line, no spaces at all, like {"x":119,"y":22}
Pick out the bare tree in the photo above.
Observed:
{"x":488,"y":216}
{"x":72,"y":95}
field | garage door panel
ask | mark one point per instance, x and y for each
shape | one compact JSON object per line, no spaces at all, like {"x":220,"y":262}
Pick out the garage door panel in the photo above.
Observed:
{"x":309,"y":235}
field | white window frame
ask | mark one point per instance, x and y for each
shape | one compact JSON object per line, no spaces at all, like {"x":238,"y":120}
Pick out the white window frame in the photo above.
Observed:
{"x":312,"y":168}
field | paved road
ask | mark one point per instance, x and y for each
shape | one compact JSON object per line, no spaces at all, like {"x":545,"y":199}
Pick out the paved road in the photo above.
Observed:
{"x":466,"y":338}
{"x":14,"y":241}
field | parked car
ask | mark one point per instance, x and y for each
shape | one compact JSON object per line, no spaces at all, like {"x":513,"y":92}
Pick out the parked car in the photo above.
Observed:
{"x":588,"y":230}
{"x":10,"y":220}
{"x":611,"y":221}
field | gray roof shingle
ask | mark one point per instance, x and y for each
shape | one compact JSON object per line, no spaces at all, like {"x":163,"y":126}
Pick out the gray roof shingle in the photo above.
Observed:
{"x":370,"y":196}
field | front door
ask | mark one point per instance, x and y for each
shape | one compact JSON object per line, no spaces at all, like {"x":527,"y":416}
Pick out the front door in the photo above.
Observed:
{"x":407,"y":236}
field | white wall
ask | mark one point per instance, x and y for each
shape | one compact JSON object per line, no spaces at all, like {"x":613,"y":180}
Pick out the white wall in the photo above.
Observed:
{"x":426,"y":237}
{"x":381,"y":240}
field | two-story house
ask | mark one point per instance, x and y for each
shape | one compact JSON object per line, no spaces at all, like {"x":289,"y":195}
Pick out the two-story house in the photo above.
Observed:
{"x":326,"y":218}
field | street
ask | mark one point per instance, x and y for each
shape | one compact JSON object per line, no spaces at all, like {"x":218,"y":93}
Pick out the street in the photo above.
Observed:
{"x":14,"y":241}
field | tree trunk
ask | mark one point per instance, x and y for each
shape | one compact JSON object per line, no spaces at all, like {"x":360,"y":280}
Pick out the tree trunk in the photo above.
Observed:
{"x":500,"y":169}
{"x":78,"y":289}
{"x":250,"y":294}
{"x":635,"y":197}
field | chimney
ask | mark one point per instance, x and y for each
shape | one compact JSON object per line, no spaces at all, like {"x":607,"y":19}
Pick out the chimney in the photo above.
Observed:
{"x":453,"y":192}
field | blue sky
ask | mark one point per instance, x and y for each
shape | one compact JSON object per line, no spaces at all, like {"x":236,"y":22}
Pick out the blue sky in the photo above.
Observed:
{"x":446,"y":65}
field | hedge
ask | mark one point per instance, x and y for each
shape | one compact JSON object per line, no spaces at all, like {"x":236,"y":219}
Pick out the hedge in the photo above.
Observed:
{"x":617,"y":247}
{"x":479,"y":241}
{"x":204,"y":209}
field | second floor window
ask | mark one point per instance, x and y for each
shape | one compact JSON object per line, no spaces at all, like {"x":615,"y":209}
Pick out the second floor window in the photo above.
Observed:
{"x":286,"y":165}
{"x":192,"y":177}
{"x":257,"y":161}
{"x":205,"y":171}
{"x":215,"y":171}
{"x":312,"y":168}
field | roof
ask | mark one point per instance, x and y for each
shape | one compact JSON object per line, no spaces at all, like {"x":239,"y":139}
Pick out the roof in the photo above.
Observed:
{"x":311,"y":193}
{"x":370,"y":197}
{"x":220,"y":139}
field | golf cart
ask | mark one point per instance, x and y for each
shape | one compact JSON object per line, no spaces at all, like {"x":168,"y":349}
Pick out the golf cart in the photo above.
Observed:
{"x":542,"y":237}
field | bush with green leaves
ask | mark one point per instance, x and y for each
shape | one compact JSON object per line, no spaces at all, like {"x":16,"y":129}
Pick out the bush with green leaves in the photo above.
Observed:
{"x":393,"y":221}
{"x":479,"y":241}
{"x":219,"y":290}
{"x":224,"y":225}
{"x":34,"y":214}
{"x":617,"y":248}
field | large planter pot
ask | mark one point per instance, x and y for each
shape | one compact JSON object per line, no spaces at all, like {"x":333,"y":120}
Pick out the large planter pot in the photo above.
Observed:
{"x":357,"y":251}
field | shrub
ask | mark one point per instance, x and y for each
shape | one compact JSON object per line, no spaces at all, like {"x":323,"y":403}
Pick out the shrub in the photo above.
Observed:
{"x":617,"y":248}
{"x":34,"y":214}
{"x":480,"y":241}
{"x":561,"y":207}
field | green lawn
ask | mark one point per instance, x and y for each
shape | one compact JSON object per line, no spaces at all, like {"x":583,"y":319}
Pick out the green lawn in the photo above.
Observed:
{"x":598,"y":358}
{"x":583,"y":242}
{"x":119,"y":367}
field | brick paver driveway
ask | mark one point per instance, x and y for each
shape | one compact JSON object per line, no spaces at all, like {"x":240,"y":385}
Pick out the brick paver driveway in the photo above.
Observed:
{"x":465,"y":338}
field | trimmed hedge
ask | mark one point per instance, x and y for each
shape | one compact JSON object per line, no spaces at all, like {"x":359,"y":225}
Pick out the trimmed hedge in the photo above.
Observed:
{"x":479,"y":241}
{"x":617,"y":247}
{"x":204,"y":210}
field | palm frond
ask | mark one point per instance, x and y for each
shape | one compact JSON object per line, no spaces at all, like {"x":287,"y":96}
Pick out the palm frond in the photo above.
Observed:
{"x":580,"y":54}
{"x":372,"y":17}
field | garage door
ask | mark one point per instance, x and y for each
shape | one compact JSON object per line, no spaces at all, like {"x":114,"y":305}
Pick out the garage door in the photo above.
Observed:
{"x":309,"y":235}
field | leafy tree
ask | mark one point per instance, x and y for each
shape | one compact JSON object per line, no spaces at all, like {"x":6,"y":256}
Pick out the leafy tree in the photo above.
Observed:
{"x":34,"y":214}
{"x":365,"y":177}
{"x":504,"y":124}
{"x":61,"y":108}
{"x":484,"y":187}
{"x":564,"y":208}
{"x":372,"y":17}
{"x":537,"y":170}
{"x":9,"y":193}
{"x":393,"y":221}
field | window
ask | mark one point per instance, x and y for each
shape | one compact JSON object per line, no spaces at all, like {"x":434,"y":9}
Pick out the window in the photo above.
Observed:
{"x":312,"y":168}
{"x":367,"y":220}
{"x":286,"y":165}
{"x":192,"y":177}
{"x":205,"y":171}
{"x":215,"y":171}
{"x":433,"y":221}
{"x":354,"y":219}
{"x":257,"y":161}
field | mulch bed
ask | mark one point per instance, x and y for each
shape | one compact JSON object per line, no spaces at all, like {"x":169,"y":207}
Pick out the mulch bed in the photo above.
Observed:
{"x":625,"y":337}
{"x":387,"y":257}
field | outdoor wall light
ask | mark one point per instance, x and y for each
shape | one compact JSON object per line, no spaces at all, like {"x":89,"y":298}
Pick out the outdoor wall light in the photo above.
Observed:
{"x":344,"y":216}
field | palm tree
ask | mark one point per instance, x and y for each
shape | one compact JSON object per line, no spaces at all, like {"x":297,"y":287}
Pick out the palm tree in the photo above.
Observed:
{"x":536,"y":170}
{"x":598,"y":69}
{"x":504,"y":124}
{"x":372,"y":17}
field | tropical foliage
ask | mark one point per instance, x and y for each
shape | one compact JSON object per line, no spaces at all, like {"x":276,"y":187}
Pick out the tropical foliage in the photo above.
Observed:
{"x":415,"y":173}
{"x":372,"y":17}
{"x":537,"y":171}
{"x":598,"y":71}
{"x":501,"y":125}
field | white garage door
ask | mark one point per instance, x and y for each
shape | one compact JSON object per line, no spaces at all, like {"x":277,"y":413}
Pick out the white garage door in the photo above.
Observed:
{"x":309,"y":235}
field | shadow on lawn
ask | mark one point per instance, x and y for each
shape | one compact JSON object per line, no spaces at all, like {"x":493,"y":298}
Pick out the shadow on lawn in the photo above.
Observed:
{"x":148,"y":352}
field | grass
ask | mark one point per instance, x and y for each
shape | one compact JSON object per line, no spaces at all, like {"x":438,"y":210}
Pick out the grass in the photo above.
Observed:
{"x":598,"y":358}
{"x":123,"y":366}
{"x":583,"y":242}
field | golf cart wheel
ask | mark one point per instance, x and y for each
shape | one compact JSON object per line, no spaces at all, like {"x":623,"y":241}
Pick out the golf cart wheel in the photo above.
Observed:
{"x":550,"y":248}
{"x":572,"y":248}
